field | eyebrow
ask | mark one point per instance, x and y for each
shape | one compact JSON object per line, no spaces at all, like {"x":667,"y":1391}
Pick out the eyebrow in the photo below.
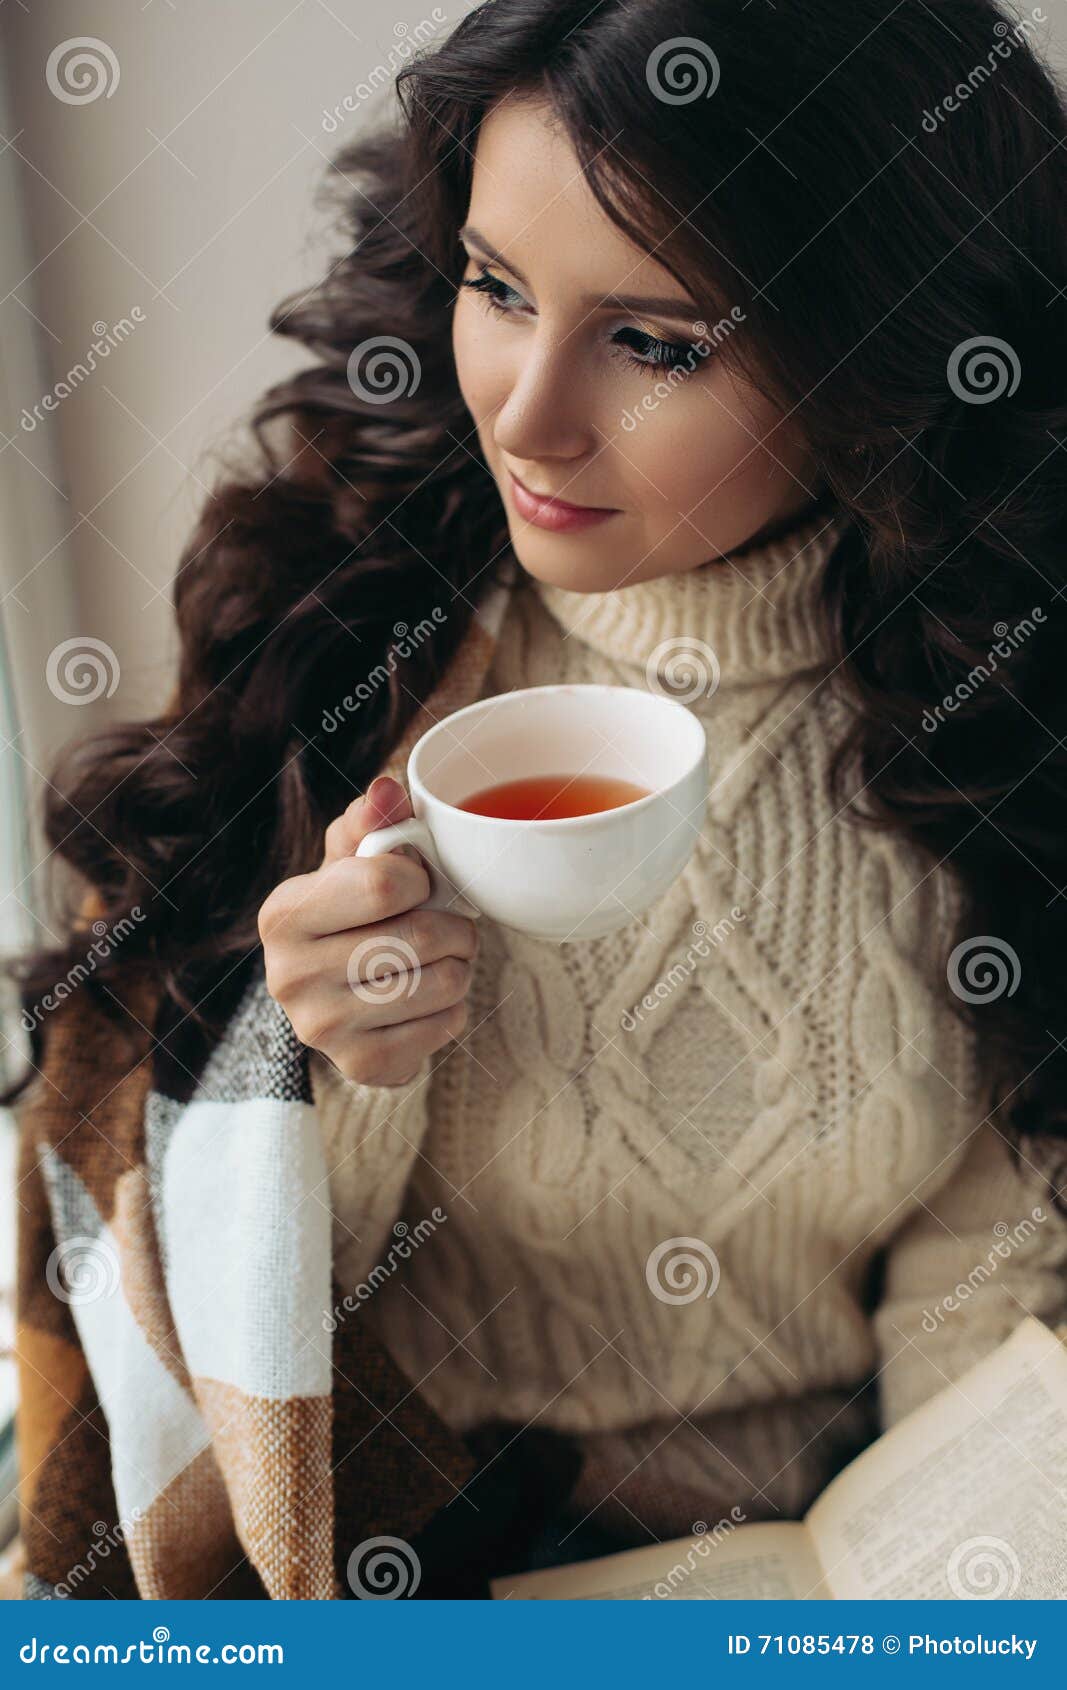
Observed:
{"x":658,"y":305}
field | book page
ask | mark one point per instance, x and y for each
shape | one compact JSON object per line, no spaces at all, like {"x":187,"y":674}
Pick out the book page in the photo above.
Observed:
{"x":758,"y":1561}
{"x":967,"y":1497}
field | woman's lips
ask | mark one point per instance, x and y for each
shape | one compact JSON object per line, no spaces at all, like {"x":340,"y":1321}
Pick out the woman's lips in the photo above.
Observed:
{"x":555,"y":514}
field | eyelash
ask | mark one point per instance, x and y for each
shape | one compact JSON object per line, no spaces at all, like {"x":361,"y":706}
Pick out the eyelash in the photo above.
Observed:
{"x":667,"y":354}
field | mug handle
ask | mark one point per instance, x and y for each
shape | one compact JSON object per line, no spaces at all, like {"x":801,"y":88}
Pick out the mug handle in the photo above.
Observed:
{"x":443,"y":894}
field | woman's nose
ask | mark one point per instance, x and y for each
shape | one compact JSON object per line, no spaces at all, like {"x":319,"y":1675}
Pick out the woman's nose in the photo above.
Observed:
{"x":547,"y":412}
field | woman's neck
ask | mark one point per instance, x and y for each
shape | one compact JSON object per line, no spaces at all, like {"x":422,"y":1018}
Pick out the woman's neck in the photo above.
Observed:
{"x":756,"y":614}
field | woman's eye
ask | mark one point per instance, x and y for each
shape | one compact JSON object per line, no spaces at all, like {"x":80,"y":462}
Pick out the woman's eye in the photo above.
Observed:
{"x":649,"y":353}
{"x":658,"y":354}
{"x":490,"y":288}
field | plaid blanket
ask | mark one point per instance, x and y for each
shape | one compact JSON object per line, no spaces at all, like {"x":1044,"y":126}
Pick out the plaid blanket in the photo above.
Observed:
{"x":187,"y":1426}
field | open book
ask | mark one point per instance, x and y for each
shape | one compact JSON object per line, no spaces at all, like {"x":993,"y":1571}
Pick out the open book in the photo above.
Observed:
{"x":967,"y":1497}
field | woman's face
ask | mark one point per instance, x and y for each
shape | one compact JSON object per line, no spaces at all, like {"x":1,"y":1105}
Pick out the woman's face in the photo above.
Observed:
{"x":566,"y":392}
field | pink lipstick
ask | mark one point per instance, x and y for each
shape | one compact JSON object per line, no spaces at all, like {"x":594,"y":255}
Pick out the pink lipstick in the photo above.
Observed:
{"x":556,"y":514}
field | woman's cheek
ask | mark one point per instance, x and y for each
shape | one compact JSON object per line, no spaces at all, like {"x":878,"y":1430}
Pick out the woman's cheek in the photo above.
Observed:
{"x":679,"y":458}
{"x":477,"y":372}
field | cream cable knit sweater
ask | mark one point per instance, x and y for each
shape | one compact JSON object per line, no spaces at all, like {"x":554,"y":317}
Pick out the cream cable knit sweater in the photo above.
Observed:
{"x":764,"y":1062}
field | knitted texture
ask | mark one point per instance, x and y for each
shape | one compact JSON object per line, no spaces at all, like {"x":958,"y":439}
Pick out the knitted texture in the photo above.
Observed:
{"x":761,"y":1071}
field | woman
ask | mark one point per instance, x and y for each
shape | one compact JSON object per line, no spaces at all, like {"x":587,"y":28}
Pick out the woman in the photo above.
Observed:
{"x":791,"y":317}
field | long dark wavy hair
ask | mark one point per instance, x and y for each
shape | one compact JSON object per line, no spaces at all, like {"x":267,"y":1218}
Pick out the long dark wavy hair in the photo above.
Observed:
{"x":882,"y":191}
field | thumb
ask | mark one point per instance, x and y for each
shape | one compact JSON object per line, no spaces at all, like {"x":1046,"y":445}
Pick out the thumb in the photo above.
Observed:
{"x":384,"y":802}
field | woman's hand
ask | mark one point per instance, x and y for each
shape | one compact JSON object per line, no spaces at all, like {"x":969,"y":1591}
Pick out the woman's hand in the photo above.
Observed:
{"x":363,"y":974}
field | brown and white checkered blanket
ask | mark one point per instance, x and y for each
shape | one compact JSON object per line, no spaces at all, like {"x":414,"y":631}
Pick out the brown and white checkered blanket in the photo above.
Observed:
{"x":187,"y":1427}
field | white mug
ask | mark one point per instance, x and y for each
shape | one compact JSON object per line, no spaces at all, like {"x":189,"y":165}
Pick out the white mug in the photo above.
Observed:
{"x":573,"y":878}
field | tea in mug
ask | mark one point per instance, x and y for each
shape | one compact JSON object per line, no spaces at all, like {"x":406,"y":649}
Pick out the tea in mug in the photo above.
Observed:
{"x":548,"y":798}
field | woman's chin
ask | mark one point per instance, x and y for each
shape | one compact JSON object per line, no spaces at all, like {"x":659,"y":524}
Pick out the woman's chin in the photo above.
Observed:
{"x":569,"y":560}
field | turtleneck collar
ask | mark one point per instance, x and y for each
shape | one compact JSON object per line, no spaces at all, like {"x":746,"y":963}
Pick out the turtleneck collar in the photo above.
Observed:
{"x":759,"y":609}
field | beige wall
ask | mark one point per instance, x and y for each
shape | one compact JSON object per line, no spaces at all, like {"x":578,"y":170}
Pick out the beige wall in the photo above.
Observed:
{"x":187,"y":193}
